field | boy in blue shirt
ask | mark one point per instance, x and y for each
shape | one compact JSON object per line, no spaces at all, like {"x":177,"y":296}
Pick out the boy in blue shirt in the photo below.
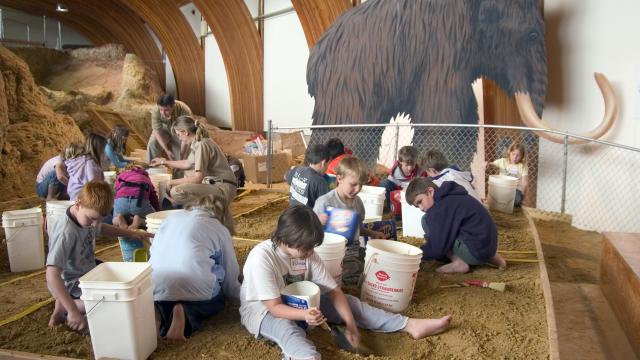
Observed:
{"x":307,"y":182}
{"x":456,"y":226}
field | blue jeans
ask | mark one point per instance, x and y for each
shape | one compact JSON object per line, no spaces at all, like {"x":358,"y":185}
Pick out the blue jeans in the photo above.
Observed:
{"x":518,"y":201}
{"x":127,"y":207}
{"x":194,"y":311}
{"x":42,"y":188}
{"x":389,"y":186}
{"x":128,"y":246}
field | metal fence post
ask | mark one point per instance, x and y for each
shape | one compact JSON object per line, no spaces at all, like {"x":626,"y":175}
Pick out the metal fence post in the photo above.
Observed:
{"x":564,"y":173}
{"x":395,"y":153}
{"x":269,"y":151}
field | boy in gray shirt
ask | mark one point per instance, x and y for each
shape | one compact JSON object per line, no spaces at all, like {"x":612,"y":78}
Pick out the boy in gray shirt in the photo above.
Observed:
{"x":307,"y":182}
{"x":72,"y":250}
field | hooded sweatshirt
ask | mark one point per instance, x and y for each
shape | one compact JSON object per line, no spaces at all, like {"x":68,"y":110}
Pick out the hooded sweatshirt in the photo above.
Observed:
{"x":462,"y":178}
{"x":136,"y":176}
{"x":455,"y":214}
{"x":400,"y":178}
{"x":81,"y":170}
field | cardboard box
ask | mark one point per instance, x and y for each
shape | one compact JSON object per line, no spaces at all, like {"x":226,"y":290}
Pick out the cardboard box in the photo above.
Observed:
{"x":255,"y":167}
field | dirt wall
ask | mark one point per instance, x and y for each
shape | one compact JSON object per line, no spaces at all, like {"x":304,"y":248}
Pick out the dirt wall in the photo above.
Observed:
{"x":30,"y":131}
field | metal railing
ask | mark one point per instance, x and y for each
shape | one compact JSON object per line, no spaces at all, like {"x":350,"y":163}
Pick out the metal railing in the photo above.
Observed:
{"x":594,"y":182}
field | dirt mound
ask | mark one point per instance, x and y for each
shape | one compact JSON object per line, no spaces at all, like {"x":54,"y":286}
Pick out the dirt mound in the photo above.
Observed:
{"x":105,"y":53}
{"x":31,"y":132}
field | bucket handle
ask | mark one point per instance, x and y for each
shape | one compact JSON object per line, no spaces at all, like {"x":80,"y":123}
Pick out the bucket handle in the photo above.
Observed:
{"x":367,"y":266}
{"x":94,"y":306}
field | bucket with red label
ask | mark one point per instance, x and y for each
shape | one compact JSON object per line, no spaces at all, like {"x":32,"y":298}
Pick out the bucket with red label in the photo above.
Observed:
{"x":390,"y":273}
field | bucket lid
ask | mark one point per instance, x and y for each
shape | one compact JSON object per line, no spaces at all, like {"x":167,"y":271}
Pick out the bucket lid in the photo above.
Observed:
{"x":24,"y":213}
{"x":372,"y":190}
{"x":331,"y":239}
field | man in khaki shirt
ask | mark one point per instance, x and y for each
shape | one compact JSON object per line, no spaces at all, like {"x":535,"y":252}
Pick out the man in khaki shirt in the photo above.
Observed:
{"x":163,"y":142}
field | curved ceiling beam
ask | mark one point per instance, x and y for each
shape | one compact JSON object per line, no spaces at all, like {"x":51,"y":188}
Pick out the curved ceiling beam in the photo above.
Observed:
{"x":241,"y":49}
{"x":100,"y":24}
{"x":180,"y":43}
{"x":317,"y":16}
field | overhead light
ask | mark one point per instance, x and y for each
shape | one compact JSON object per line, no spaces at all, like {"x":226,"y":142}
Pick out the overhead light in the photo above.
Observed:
{"x":62,"y":8}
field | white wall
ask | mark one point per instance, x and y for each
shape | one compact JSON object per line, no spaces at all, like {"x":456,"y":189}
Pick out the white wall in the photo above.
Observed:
{"x":286,"y":99}
{"x":584,"y":36}
{"x":15,"y":28}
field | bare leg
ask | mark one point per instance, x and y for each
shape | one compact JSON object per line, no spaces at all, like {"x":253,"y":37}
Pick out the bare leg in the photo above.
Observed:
{"x":457,"y":265}
{"x":498,"y":261}
{"x":58,"y":316}
{"x":176,"y":330}
{"x":419,"y":328}
{"x":120,"y":221}
{"x":136,"y":223}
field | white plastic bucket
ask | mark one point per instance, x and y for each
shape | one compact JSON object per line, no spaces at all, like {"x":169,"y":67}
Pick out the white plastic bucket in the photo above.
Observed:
{"x":158,"y":170}
{"x":411,"y":218}
{"x":502,"y":193}
{"x":118,"y":298}
{"x":56,"y":209}
{"x":109,"y":177}
{"x":154,"y":220}
{"x":25,"y":239}
{"x":332,"y":253}
{"x":301,"y":295}
{"x":390,"y":273}
{"x":373,"y":199}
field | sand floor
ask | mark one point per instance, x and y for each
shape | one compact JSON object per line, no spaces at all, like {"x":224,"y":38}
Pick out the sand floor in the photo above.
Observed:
{"x":486,"y":324}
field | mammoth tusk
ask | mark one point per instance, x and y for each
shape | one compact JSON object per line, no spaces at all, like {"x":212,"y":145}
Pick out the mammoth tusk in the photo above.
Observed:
{"x":531,"y":119}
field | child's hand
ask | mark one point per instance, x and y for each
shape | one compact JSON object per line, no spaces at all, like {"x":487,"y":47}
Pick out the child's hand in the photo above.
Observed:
{"x":76,"y":321}
{"x":323,"y":218}
{"x":157,"y":162}
{"x":353,"y":335}
{"x":141,"y":235}
{"x":314,"y":317}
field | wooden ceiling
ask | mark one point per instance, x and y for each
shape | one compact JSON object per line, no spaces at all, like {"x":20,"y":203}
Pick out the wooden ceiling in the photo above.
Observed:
{"x":122,"y":21}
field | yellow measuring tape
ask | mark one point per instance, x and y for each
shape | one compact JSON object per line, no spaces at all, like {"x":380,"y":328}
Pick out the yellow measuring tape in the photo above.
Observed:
{"x":260,"y":207}
{"x":26,"y":311}
{"x":33,"y":308}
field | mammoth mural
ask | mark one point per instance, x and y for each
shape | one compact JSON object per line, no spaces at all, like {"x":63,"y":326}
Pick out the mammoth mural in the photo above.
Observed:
{"x":420,"y":57}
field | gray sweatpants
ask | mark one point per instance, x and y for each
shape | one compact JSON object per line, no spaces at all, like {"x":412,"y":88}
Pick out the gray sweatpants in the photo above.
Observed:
{"x":293,"y":341}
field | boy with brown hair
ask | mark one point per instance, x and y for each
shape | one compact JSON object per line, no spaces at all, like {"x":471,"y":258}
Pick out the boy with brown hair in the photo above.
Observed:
{"x":456,"y":226}
{"x":72,"y":250}
{"x":404,"y":170}
{"x":437,"y":166}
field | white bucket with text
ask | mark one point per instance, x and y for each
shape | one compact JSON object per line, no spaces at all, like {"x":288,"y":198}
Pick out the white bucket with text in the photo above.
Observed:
{"x":301,"y":295}
{"x":390,"y":273}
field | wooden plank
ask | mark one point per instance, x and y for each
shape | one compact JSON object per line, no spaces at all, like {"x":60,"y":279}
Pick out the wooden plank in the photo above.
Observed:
{"x":552,"y":328}
{"x":317,"y":16}
{"x":241,"y":49}
{"x":17,"y":355}
{"x":620,"y":281}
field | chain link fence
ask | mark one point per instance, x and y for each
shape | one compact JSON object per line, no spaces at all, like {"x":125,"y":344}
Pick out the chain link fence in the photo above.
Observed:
{"x":595,"y":183}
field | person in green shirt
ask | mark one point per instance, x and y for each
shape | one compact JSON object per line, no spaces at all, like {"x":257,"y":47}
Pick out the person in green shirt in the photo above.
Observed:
{"x":163,"y":142}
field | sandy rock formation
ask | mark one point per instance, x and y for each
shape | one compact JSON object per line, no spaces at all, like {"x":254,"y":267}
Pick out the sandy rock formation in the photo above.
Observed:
{"x":30,"y":131}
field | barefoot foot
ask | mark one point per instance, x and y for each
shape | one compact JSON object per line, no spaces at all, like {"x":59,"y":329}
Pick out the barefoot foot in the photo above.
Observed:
{"x":454,"y":267}
{"x":176,"y":330}
{"x":498,"y":261}
{"x":136,"y":223}
{"x":419,"y":328}
{"x":120,"y":221}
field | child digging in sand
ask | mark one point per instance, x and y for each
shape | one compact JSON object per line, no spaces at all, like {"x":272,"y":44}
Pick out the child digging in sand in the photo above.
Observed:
{"x":289,"y":257}
{"x":72,"y":251}
{"x":456,"y":226}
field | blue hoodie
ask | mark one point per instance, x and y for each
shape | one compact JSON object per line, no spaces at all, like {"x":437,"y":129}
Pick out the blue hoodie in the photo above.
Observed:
{"x":455,"y":214}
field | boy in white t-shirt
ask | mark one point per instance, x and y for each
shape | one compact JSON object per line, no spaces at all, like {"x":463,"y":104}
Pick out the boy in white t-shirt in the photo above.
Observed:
{"x":289,"y":257}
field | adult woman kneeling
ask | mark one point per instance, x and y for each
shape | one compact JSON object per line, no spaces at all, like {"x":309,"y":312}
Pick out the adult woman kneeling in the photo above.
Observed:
{"x":209,"y":171}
